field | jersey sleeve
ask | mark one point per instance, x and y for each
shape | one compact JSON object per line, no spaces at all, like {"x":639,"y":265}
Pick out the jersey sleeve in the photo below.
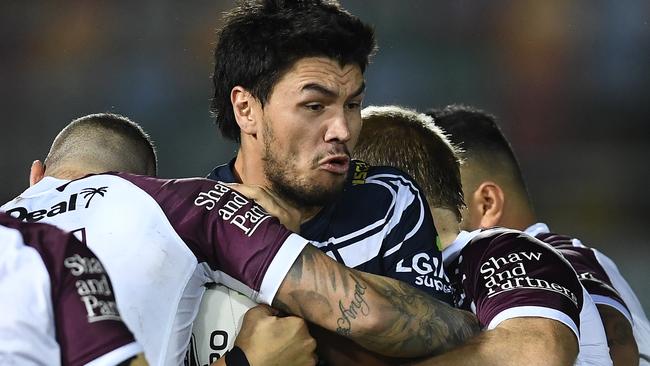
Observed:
{"x":27,"y":323}
{"x":408,"y":240}
{"x":246,"y":248}
{"x":69,"y":301}
{"x":513,"y":275}
{"x":590,"y":272}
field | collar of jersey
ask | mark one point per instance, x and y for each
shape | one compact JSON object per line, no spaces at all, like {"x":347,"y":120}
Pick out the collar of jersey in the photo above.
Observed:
{"x":536,"y":229}
{"x":453,"y":250}
{"x":46,"y":184}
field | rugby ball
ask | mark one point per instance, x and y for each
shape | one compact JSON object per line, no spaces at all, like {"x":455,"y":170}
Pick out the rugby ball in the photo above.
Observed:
{"x":216,"y":325}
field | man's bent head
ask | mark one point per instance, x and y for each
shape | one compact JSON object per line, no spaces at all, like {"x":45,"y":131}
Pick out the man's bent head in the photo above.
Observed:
{"x":99,"y":143}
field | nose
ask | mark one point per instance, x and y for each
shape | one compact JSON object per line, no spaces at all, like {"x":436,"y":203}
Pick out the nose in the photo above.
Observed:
{"x":338,"y":129}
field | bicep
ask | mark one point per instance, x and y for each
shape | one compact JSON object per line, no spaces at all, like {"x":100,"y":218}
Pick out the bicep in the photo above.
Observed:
{"x":620,"y":338}
{"x":537,"y":341}
{"x":527,"y":341}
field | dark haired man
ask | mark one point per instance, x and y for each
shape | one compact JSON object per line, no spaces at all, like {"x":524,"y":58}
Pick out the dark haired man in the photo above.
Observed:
{"x":288,"y":86}
{"x":496,"y":195}
{"x":162,"y":240}
{"x":44,"y":286}
{"x":525,"y":295}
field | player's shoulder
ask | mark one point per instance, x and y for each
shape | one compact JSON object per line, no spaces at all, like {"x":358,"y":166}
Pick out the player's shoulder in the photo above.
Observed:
{"x":162,"y":190}
{"x":558,"y":240}
{"x":364,"y":173}
{"x":498,"y":240}
{"x":50,"y":242}
{"x":379,"y":182}
{"x":32,"y":233}
{"x":376,"y":190}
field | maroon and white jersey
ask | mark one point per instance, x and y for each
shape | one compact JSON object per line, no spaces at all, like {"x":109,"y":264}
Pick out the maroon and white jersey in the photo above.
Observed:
{"x":161,"y":241}
{"x":56,"y":302}
{"x":501,"y":274}
{"x":603,"y":281}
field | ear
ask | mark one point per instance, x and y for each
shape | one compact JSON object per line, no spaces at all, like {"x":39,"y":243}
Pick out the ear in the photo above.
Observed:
{"x":489,"y":202}
{"x":244,"y":107}
{"x":36,"y":172}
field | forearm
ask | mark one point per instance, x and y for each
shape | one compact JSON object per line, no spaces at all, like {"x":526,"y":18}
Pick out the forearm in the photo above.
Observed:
{"x":520,"y":341}
{"x":381,"y":314}
{"x":620,"y":338}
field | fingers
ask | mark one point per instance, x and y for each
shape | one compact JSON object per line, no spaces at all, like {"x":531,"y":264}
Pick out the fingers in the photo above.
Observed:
{"x":260,"y":311}
{"x":271,"y":202}
{"x":259,"y":195}
{"x":263,"y":196}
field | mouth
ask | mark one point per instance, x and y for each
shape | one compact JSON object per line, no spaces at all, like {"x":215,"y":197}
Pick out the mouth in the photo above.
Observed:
{"x":338,"y":164}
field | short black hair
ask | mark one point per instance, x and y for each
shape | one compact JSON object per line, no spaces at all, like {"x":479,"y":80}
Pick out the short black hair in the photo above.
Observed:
{"x":263,"y":39}
{"x":105,"y":140}
{"x":410,"y":141}
{"x":477,"y":133}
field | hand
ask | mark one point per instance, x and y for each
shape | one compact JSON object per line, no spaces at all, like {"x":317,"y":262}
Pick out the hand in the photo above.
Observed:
{"x":272,"y":203}
{"x":270,"y":340}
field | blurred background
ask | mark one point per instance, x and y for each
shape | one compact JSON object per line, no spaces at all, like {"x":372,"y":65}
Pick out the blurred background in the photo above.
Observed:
{"x":569,"y":80}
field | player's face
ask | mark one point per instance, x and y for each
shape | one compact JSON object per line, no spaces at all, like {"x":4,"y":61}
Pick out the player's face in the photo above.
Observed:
{"x":311,"y":122}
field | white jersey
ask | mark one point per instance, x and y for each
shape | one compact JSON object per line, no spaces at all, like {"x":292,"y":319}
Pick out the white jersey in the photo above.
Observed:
{"x":602,"y":279}
{"x":161,"y":241}
{"x":50,"y":302}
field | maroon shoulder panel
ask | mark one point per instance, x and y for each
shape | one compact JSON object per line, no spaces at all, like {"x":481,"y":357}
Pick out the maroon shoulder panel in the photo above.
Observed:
{"x":591,"y":274}
{"x":507,"y":269}
{"x":223,"y":228}
{"x":87,"y":322}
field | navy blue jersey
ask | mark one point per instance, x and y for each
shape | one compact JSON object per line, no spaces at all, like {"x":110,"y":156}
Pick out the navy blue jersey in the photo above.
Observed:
{"x":380,"y":224}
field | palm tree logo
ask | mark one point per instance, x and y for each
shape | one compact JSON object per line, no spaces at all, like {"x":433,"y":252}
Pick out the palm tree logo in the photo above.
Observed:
{"x":90,"y":193}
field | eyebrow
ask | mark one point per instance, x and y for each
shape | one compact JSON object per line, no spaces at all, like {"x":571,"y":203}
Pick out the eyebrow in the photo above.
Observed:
{"x":330,"y":93}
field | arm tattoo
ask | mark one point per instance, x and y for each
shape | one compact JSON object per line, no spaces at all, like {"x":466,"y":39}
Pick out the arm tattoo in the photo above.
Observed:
{"x":381,"y":314}
{"x":359,"y":306}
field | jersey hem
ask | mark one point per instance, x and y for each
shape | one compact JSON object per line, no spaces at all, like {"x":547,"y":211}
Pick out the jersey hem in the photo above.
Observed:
{"x":280,"y":266}
{"x":534,"y":311}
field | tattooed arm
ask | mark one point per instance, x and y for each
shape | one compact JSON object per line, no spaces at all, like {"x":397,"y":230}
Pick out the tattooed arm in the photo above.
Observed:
{"x":381,"y":314}
{"x":620,"y":339}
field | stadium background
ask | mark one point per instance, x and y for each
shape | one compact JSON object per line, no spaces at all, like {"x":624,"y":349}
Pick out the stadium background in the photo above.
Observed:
{"x":569,"y":79}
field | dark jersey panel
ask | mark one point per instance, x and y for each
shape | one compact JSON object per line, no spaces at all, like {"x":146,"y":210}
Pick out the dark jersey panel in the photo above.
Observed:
{"x":380,"y":224}
{"x":87,"y":322}
{"x":591,"y":274}
{"x":223,"y":228}
{"x":504,"y":269}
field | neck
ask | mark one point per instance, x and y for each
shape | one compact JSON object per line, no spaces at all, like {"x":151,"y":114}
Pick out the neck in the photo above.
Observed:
{"x":68,"y":172}
{"x":249,"y":170}
{"x":518,"y":215}
{"x":447,"y":225}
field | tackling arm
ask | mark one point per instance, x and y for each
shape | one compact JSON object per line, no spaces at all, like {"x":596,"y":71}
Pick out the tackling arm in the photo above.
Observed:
{"x":620,"y":339}
{"x":381,"y":314}
{"x":515,"y":342}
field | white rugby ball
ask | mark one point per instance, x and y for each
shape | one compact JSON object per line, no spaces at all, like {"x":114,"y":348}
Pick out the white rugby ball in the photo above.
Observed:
{"x":216,"y":325}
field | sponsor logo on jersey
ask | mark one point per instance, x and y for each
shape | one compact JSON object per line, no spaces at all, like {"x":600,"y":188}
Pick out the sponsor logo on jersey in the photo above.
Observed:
{"x":95,"y":293}
{"x":70,"y":204}
{"x":229,"y":206}
{"x":509,"y":273}
{"x":430,"y":270}
{"x":360,"y":172}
